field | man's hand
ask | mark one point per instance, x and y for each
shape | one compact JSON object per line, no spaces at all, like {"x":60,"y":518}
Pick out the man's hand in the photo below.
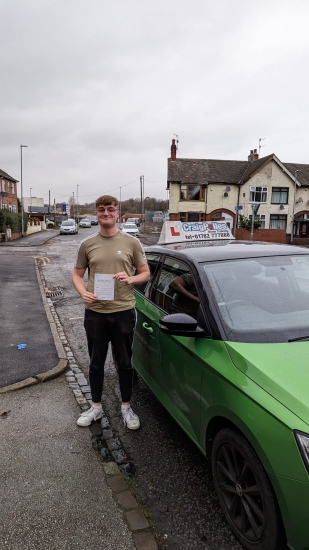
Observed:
{"x":123,"y":277}
{"x":88,"y":297}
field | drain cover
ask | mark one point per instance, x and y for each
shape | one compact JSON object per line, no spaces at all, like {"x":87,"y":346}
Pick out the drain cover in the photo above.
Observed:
{"x":54,"y":292}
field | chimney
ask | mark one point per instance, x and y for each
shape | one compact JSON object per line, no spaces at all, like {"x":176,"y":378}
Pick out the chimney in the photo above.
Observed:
{"x":173,"y":150}
{"x":253,"y":155}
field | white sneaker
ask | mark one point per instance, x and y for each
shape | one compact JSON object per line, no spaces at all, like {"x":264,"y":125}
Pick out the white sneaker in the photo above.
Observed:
{"x":130,"y":419}
{"x":94,"y":413}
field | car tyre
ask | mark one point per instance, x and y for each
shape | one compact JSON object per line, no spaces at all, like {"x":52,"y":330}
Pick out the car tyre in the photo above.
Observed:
{"x":245,"y":493}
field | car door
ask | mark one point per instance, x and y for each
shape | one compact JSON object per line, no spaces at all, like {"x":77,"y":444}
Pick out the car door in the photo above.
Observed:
{"x":146,"y":351}
{"x":178,"y":378}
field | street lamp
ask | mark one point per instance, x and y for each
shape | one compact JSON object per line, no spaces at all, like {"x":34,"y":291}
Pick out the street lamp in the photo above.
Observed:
{"x":30,"y":202}
{"x":21,"y":189}
{"x":295,"y":182}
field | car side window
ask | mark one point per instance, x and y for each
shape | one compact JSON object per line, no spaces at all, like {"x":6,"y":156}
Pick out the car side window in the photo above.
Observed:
{"x":176,"y":291}
{"x":153,"y":261}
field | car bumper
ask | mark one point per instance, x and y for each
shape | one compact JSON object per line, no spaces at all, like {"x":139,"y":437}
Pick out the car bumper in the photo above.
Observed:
{"x":293,"y":497}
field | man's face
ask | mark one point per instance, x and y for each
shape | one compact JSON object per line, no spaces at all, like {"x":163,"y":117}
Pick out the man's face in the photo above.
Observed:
{"x":107,"y":215}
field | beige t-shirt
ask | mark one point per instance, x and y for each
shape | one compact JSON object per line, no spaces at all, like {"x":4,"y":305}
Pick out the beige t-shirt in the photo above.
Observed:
{"x":110,"y":255}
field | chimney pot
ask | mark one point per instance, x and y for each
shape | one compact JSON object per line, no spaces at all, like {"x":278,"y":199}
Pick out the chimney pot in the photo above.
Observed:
{"x":253,"y":155}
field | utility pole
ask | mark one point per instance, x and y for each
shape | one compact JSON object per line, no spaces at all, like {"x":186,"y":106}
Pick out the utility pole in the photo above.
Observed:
{"x":73,"y":209}
{"x":295,"y":183}
{"x":48,"y":201}
{"x":255,"y":207}
{"x":21,"y":189}
{"x":142,"y":201}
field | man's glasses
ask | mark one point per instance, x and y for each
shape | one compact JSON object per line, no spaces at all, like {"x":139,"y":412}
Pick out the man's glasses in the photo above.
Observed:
{"x":109,"y":209}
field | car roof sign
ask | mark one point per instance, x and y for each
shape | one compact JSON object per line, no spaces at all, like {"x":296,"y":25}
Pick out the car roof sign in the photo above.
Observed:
{"x":178,"y":232}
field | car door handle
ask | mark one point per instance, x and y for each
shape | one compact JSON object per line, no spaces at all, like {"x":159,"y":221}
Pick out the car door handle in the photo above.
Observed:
{"x":148,"y":328}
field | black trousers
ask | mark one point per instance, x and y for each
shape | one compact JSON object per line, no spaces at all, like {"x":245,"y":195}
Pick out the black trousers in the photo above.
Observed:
{"x":117,"y":328}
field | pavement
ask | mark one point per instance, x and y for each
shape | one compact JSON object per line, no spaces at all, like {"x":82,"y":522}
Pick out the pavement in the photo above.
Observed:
{"x":57,"y":491}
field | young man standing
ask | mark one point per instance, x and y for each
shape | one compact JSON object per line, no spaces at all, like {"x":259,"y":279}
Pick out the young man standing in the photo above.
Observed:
{"x":109,"y":256}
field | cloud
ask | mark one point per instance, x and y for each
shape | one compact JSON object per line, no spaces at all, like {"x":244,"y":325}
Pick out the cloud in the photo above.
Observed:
{"x":97,"y":89}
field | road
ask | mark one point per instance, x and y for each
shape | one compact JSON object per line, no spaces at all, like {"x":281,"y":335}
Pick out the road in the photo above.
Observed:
{"x":173,"y":480}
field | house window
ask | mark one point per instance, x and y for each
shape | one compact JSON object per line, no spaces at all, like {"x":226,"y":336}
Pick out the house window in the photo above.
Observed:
{"x":13,"y":207}
{"x":191,"y":217}
{"x":279,"y":195}
{"x":277,"y":221}
{"x":4,"y":206}
{"x":258,"y":194}
{"x":191,"y":192}
{"x":259,"y":217}
{"x":3,"y":186}
{"x":13,"y":189}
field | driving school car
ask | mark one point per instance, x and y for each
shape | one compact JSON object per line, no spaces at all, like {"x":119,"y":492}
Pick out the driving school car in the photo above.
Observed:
{"x":222,"y":340}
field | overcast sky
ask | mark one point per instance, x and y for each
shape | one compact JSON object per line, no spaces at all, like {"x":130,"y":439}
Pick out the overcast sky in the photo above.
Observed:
{"x":97,"y":89}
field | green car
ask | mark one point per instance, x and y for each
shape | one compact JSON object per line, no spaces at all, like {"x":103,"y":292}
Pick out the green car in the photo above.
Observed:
{"x":222,"y":340}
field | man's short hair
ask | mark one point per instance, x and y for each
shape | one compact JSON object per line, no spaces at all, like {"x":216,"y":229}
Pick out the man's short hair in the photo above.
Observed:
{"x":106,"y":200}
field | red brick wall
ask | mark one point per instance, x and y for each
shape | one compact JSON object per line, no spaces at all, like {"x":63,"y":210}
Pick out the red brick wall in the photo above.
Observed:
{"x":268,"y":235}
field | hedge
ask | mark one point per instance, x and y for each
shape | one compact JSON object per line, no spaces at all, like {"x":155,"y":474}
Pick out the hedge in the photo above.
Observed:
{"x":12,"y":221}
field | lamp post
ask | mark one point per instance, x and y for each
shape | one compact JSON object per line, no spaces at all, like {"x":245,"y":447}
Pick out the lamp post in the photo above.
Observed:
{"x":77,"y":186}
{"x":120,"y":206}
{"x":295,"y":182}
{"x":21,"y":189}
{"x":30,"y":202}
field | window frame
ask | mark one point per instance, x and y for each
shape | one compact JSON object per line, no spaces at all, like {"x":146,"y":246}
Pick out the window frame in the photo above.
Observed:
{"x":160,"y":303}
{"x":187,"y":186}
{"x":144,"y":288}
{"x":263,"y":190}
{"x":280,"y":190}
{"x":261,"y":218}
{"x":277,"y":217}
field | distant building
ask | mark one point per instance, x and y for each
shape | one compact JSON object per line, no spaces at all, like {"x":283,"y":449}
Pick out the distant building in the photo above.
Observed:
{"x":210,"y":190}
{"x":8,"y":192}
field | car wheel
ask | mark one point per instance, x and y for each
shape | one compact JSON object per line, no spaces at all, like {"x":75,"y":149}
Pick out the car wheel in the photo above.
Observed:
{"x":245,"y":493}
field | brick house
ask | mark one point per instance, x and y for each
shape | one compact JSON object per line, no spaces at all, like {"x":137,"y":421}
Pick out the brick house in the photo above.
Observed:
{"x":8,"y":192}
{"x":208,"y":189}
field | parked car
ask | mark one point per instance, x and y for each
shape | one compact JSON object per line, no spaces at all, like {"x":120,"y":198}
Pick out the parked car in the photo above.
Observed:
{"x":137,"y":221}
{"x":158,"y":217}
{"x":222,"y":340}
{"x":130,"y":228}
{"x":94,"y":221}
{"x":85,"y":223}
{"x":68,"y":227}
{"x":49,"y":223}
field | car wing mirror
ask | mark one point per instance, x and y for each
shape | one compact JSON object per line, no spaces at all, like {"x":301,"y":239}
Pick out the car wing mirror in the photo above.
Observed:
{"x":180,"y":324}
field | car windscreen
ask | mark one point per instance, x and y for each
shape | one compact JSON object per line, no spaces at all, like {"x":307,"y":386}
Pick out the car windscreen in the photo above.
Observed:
{"x":260,"y":299}
{"x":129,"y":226}
{"x":68,"y":223}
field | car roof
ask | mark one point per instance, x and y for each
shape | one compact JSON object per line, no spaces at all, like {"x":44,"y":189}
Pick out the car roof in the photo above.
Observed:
{"x":204,"y":251}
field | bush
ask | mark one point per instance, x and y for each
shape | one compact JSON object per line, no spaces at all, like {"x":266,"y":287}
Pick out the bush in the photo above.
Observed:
{"x":245,"y":223}
{"x":12,"y":221}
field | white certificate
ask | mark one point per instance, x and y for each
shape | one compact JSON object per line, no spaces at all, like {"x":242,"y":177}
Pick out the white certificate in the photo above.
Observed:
{"x":104,"y":285}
